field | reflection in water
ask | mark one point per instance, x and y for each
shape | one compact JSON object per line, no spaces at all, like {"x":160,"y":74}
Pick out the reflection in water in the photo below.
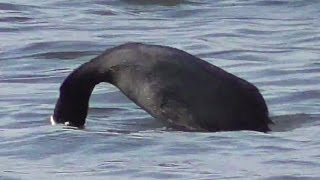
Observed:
{"x":291,"y":122}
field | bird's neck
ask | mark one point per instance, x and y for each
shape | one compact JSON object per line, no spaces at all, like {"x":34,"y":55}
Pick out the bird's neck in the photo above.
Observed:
{"x":75,"y":92}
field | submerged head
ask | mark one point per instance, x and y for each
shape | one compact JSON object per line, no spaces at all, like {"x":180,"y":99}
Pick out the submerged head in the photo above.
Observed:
{"x":73,"y":102}
{"x":69,"y":111}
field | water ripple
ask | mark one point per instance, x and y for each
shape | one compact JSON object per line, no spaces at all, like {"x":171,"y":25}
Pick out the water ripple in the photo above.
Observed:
{"x":273,"y":44}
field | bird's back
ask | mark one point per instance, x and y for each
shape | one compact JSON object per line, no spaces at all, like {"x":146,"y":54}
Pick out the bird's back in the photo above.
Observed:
{"x":175,"y":86}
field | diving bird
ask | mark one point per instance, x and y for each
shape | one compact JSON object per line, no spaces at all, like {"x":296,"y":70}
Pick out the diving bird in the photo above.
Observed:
{"x":171,"y":85}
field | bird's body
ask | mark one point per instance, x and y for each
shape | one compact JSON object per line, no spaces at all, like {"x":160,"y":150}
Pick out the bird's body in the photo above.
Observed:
{"x":169,"y":84}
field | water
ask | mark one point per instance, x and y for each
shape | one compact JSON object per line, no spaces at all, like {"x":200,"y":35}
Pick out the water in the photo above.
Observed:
{"x":273,"y":44}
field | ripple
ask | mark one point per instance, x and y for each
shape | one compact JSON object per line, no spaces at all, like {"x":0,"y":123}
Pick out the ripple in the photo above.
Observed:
{"x":15,"y":19}
{"x":16,"y":7}
{"x":156,"y":2}
{"x":102,"y":12}
{"x":291,"y":177}
{"x":295,"y":163}
{"x":55,"y":50}
{"x":64,"y":55}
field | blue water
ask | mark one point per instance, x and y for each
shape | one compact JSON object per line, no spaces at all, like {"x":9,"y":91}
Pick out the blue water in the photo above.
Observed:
{"x":273,"y":44}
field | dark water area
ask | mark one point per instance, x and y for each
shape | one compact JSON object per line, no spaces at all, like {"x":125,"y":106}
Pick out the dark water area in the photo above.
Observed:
{"x":273,"y":44}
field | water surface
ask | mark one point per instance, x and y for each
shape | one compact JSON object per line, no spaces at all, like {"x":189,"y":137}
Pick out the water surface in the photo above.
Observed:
{"x":273,"y":44}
